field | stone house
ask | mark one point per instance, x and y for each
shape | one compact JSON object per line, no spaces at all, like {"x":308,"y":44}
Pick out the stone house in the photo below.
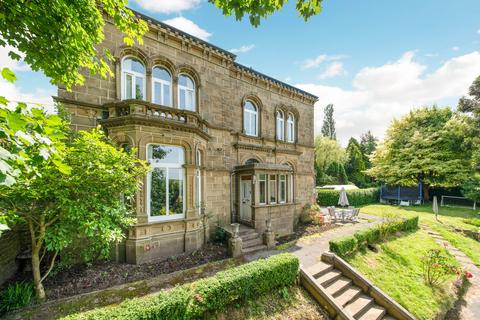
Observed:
{"x":226,"y":143}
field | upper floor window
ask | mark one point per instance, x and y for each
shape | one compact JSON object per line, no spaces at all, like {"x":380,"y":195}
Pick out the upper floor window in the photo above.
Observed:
{"x":133,"y":79}
{"x":161,"y":87}
{"x":280,"y":126}
{"x":250,"y":119}
{"x":291,"y":128}
{"x":186,"y":93}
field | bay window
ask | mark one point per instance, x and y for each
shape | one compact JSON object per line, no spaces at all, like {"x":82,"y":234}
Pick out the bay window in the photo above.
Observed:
{"x":282,"y":188}
{"x":262,"y":189}
{"x":166,"y":182}
{"x":272,"y":189}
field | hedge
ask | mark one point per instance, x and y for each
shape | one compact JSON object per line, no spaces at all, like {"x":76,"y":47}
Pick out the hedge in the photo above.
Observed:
{"x":197,"y":299}
{"x":348,"y":245}
{"x":356,"y":197}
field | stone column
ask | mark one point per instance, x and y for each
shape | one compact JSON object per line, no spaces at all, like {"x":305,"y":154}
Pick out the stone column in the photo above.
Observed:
{"x":235,"y":242}
{"x":269,"y":235}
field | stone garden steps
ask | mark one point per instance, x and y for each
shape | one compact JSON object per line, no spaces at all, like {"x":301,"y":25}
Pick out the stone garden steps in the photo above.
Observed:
{"x":251,"y":240}
{"x":346,"y":294}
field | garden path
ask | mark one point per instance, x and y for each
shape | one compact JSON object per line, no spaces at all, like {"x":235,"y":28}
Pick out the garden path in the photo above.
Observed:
{"x":310,"y":249}
{"x":470,"y":306}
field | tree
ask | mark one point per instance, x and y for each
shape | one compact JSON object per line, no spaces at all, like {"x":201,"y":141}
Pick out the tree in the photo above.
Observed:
{"x":327,"y":152}
{"x":328,"y":128}
{"x":336,"y":170}
{"x":368,"y":144}
{"x":428,"y":145}
{"x":60,"y":37}
{"x":471,"y":187}
{"x":355,"y":165}
{"x":264,"y":8}
{"x":87,"y":205}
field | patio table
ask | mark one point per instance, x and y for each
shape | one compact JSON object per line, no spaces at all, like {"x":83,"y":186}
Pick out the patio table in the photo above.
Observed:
{"x":343,"y":213}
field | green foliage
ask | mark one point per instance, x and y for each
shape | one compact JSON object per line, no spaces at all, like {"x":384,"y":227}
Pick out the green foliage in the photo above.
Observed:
{"x":344,"y":246}
{"x":87,"y":206}
{"x":328,"y":127}
{"x":349,"y":245}
{"x":29,"y":140}
{"x":429,"y":145}
{"x":16,"y":296}
{"x":355,"y":165}
{"x":337,"y":172}
{"x":329,"y":159}
{"x":256,"y":10}
{"x":368,"y":144}
{"x":473,"y":222}
{"x":205,"y":296}
{"x":356,"y":197}
{"x":220,"y":235}
{"x":37,"y":29}
{"x":436,"y":265}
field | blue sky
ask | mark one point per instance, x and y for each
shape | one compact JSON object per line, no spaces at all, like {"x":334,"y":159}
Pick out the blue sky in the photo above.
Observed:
{"x":373,"y":59}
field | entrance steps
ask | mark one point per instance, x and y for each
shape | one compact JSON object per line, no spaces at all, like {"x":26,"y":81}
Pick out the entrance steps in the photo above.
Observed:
{"x":346,"y":294}
{"x":251,"y":240}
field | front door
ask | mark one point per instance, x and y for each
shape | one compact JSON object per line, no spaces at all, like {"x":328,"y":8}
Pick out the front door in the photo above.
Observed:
{"x":246,"y":199}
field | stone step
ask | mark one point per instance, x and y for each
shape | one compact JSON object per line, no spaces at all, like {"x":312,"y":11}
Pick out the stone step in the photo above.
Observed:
{"x":388,"y":317}
{"x":252,"y":242}
{"x":358,"y":305}
{"x":254,"y":249}
{"x":329,"y":277}
{"x":338,"y":286}
{"x":374,"y":313}
{"x":319,"y":269}
{"x":349,"y":294}
{"x":249,"y":236}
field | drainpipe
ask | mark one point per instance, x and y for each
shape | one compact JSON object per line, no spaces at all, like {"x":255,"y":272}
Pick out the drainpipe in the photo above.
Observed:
{"x":231,"y":197}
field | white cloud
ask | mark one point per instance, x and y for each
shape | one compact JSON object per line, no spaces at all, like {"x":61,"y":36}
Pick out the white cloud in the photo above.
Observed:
{"x":478,"y":31}
{"x":167,"y":6}
{"x":381,"y":93}
{"x":455,"y":48}
{"x":7,"y":62}
{"x":332,"y":70}
{"x":188,"y":26}
{"x":242,"y":49}
{"x":431,"y":55}
{"x":317,"y":61}
{"x":14,"y":94}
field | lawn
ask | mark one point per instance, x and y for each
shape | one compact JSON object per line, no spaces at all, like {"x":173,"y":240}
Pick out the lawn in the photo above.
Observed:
{"x":294,"y":303}
{"x":448,"y":220}
{"x":397,"y":270}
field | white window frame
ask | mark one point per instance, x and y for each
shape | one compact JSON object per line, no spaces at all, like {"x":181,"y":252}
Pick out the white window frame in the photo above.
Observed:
{"x":133,"y":74}
{"x":149,"y":177}
{"x":291,"y":128}
{"x":270,"y":191}
{"x":187,"y":89}
{"x":250,"y":116}
{"x":280,"y":194}
{"x":264,"y":180}
{"x":162,"y":83}
{"x":198,"y":184}
{"x":280,"y":118}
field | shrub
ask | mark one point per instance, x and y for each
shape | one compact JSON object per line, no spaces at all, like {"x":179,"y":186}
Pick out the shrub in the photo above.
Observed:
{"x":312,"y":213}
{"x":344,"y":246}
{"x":436,"y":265}
{"x":473,"y":222}
{"x":197,"y":299}
{"x":16,"y":296}
{"x":356,"y":197}
{"x":348,"y":245}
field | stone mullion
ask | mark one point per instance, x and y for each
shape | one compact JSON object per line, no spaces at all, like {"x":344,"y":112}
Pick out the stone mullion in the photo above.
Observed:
{"x":191,"y":212}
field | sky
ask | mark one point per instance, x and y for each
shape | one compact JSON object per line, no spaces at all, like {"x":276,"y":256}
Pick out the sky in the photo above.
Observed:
{"x":374,"y":60}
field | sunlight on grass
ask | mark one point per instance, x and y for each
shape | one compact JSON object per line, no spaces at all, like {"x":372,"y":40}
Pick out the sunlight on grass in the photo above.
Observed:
{"x":449,"y":219}
{"x":397,"y":270}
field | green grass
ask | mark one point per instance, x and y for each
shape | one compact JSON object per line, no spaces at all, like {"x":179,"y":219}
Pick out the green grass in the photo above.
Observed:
{"x":448,"y":220}
{"x":397,"y":270}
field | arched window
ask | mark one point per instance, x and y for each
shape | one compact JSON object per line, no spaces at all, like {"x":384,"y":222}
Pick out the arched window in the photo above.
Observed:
{"x":166,"y":182}
{"x":186,"y":93}
{"x":161,"y":86}
{"x":133,"y":79}
{"x":198,"y":181}
{"x":280,"y":126}
{"x":251,"y":161}
{"x":250,"y":119}
{"x":291,"y":128}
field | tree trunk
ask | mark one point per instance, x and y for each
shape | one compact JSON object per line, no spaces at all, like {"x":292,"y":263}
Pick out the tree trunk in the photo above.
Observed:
{"x":37,"y":277}
{"x":426,"y":192}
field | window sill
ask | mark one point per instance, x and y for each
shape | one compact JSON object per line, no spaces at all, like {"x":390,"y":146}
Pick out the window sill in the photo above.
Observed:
{"x":274,"y":205}
{"x":169,"y":218}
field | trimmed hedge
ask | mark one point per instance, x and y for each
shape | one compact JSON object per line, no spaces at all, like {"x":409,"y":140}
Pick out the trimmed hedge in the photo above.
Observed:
{"x":197,"y":299}
{"x":356,"y":197}
{"x":348,"y":245}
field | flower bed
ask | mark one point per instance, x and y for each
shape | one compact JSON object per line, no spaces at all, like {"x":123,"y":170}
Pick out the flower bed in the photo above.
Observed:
{"x":196,"y":300}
